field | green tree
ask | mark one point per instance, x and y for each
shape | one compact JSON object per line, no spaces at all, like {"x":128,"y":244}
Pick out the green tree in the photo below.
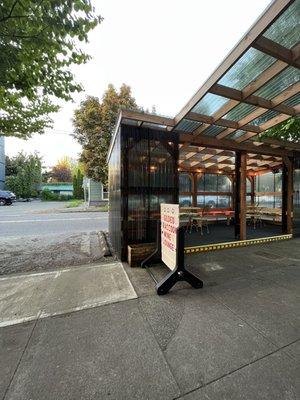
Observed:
{"x":78,"y":192}
{"x":287,"y":130}
{"x":39,"y":42}
{"x":94,"y":122}
{"x":26,"y":179}
{"x":62,"y":171}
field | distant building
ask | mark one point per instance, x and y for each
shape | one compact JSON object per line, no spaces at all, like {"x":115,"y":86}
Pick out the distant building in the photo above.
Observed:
{"x":2,"y":162}
{"x":59,"y":188}
{"x":94,"y":194}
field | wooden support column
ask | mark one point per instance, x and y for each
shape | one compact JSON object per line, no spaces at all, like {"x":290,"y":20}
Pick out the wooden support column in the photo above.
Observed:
{"x":240,"y":195}
{"x":287,"y":196}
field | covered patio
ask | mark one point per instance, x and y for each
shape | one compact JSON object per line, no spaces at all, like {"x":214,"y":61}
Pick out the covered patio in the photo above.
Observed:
{"x":234,"y":186}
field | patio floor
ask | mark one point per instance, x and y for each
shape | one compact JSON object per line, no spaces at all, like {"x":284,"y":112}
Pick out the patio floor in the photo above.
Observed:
{"x":220,"y":232}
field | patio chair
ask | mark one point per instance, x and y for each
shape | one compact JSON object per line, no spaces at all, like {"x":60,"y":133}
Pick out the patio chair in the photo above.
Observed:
{"x":185,"y":220}
{"x":254,"y":214}
{"x":199,"y":221}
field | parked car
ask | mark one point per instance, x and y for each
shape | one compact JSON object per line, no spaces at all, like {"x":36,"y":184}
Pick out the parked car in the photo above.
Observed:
{"x":11,"y":195}
{"x":5,"y":198}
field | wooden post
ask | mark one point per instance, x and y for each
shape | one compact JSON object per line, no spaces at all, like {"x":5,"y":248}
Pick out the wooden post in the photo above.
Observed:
{"x":287,"y":196}
{"x":240,"y":195}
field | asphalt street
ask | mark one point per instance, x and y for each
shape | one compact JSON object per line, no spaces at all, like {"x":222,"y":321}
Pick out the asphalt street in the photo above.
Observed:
{"x":38,"y":218}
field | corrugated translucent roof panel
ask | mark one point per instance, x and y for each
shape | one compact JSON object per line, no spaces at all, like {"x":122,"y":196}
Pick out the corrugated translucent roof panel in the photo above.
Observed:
{"x":236,"y":134}
{"x":264,"y":117}
{"x":246,"y":69}
{"x":213,"y":130}
{"x":188,"y":126}
{"x":209,"y":104}
{"x":255,"y":80}
{"x":240,"y":111}
{"x":286,"y":29}
{"x":278,"y":84}
{"x":293,"y":101}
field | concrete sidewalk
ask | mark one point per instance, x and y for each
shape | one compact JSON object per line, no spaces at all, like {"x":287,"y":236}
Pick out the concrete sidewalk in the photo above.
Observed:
{"x":237,"y":338}
{"x":31,"y":296}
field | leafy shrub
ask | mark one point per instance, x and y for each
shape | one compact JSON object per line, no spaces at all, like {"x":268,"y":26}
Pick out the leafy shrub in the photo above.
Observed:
{"x":47,"y":195}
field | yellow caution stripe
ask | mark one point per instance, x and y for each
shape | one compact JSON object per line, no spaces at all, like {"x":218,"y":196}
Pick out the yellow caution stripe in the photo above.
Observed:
{"x":238,"y":243}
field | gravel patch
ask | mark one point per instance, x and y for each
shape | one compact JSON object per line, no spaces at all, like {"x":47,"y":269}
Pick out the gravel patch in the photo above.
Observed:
{"x":34,"y":253}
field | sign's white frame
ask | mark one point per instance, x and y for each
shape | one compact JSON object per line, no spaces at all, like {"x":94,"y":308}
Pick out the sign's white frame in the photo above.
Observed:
{"x":169,"y":214}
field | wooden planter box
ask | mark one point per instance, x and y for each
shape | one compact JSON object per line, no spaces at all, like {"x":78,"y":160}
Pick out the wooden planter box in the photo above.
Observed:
{"x":138,"y":252}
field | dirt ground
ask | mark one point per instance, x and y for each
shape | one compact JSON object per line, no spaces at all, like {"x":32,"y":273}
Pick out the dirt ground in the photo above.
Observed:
{"x":38,"y":253}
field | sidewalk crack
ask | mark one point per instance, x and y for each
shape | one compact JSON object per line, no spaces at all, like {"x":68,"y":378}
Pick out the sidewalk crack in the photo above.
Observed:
{"x":21,"y":356}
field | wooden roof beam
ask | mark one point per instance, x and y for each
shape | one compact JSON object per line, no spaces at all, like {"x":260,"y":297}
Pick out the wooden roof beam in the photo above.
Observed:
{"x":232,"y":145}
{"x":221,"y":122}
{"x":257,"y":101}
{"x":276,"y":50}
{"x":150,"y":118}
{"x":285,"y":95}
{"x":283,"y":143}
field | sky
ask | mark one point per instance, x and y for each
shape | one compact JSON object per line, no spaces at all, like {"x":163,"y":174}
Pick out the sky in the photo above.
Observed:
{"x":164,"y":50}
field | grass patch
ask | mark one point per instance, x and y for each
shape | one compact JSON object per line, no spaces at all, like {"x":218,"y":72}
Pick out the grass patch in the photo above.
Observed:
{"x":74,"y":203}
{"x":103,"y":208}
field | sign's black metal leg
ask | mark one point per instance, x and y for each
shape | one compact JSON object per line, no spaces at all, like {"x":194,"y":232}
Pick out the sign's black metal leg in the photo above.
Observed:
{"x":180,"y":273}
{"x":167,"y":283}
{"x":191,"y":279}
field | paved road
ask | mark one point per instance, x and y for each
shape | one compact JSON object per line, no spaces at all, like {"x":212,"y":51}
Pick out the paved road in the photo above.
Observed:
{"x":38,"y":218}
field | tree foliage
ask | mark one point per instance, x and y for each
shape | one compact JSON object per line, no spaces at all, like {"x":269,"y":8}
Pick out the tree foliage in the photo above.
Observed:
{"x":78,"y":192}
{"x":60,"y":174}
{"x":24,"y":174}
{"x":39,"y":42}
{"x":287,"y":130}
{"x":62,"y":171}
{"x":94,"y":122}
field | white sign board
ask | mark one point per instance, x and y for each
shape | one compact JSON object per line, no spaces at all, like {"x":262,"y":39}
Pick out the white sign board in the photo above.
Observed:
{"x":169,"y":215}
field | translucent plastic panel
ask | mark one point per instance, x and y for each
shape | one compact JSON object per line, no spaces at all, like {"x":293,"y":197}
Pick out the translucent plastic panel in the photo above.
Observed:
{"x":278,"y":84}
{"x":209,"y":104}
{"x":246,"y":69}
{"x":213,"y":201}
{"x":185,"y":182}
{"x":224,"y":201}
{"x":211,"y":183}
{"x":200,"y":201}
{"x":293,"y":101}
{"x":265,"y":182}
{"x":286,"y":29}
{"x":201,"y":183}
{"x":224,"y":184}
{"x":185,"y":201}
{"x":278,"y":182}
{"x":248,"y":186}
{"x":266,"y":201}
{"x":240,"y":111}
{"x":213,"y":130}
{"x":265,"y":117}
{"x":187,"y":125}
{"x":236,"y":134}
